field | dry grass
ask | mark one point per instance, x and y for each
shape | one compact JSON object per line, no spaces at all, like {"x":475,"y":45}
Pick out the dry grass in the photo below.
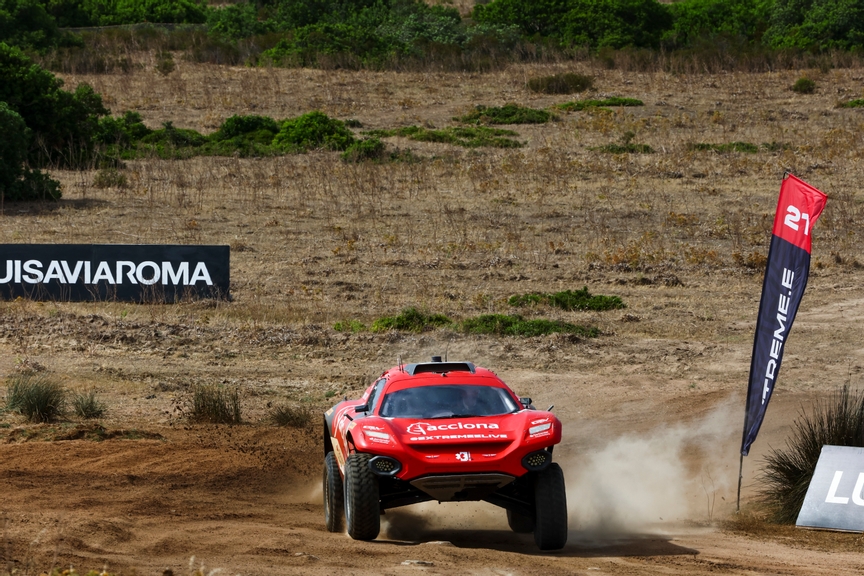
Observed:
{"x":678,"y":234}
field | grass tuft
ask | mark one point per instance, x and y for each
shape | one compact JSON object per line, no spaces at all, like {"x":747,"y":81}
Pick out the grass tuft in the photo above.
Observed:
{"x":352,"y":326}
{"x":857,"y":103}
{"x":804,"y":85}
{"x":837,"y":421}
{"x":568,"y":83}
{"x":36,"y":397}
{"x":293,"y":416}
{"x":746,"y":147}
{"x":215,"y":404}
{"x":578,"y":105}
{"x":86,"y":405}
{"x":410,"y":320}
{"x":507,"y":114}
{"x":515,"y":325}
{"x":569,"y":300}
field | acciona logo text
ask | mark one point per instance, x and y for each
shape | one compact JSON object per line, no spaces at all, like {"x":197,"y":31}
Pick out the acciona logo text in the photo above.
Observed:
{"x":119,"y":272}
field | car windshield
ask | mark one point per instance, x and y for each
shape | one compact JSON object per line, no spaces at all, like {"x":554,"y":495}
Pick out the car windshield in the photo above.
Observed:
{"x":450,"y":401}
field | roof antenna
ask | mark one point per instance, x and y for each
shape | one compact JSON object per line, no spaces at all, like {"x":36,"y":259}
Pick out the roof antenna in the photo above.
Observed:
{"x":447,"y":348}
{"x":399,"y":362}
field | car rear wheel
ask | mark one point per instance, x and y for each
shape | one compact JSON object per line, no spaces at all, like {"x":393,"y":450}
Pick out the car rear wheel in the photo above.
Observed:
{"x":550,"y":497}
{"x":520,"y":523}
{"x":362,"y":510}
{"x":333,"y":495}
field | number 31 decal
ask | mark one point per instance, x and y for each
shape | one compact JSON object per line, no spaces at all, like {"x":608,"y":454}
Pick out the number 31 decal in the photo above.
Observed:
{"x":794,"y":216}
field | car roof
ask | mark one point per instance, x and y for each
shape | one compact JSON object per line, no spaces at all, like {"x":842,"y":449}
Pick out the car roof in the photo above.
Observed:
{"x":400,"y":377}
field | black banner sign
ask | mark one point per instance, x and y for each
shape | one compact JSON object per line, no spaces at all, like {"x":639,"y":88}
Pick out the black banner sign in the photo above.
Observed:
{"x":123,"y":272}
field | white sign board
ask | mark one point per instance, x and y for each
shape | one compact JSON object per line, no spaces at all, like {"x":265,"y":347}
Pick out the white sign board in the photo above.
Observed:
{"x":835,"y":498}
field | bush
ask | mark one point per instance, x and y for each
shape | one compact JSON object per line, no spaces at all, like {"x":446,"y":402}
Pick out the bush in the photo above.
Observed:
{"x":63,"y":124}
{"x":569,"y":300}
{"x":314,"y":130}
{"x":36,"y":397}
{"x":26,"y":23}
{"x":569,"y":83}
{"x":215,"y":404}
{"x":515,"y":325}
{"x":410,"y":320}
{"x":349,"y":326}
{"x":366,"y":149}
{"x":857,"y":103}
{"x":579,"y":105}
{"x":244,"y":125}
{"x":507,"y":114}
{"x":837,"y":421}
{"x":695,"y":20}
{"x":804,"y":85}
{"x":86,"y":405}
{"x":816,"y":24}
{"x":295,"y":417}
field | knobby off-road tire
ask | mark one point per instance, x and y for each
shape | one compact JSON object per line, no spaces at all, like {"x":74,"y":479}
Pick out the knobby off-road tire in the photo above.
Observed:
{"x":550,"y":498}
{"x":362,"y":510}
{"x":519,"y":523}
{"x":334,"y":497}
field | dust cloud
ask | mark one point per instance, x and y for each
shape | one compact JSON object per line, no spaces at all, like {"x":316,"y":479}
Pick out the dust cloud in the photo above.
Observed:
{"x":632,"y":483}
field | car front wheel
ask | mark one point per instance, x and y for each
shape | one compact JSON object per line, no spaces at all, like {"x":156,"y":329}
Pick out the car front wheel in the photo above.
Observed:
{"x":333,"y":495}
{"x":362,"y":509}
{"x":550,"y":497}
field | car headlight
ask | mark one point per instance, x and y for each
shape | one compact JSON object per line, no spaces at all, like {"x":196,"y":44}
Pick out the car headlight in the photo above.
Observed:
{"x":539,"y":428}
{"x":384,"y":466}
{"x":378,"y":435}
{"x":537,"y":460}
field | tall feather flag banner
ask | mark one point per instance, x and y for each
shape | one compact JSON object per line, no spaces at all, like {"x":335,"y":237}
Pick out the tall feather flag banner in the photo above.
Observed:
{"x":785,"y":280}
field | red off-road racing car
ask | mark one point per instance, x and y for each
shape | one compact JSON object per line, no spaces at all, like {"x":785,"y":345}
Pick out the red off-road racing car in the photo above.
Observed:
{"x":445,"y":431}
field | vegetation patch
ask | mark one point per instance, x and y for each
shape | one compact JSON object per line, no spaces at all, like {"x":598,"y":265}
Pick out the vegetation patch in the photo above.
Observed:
{"x":215,"y":404}
{"x":507,"y":114}
{"x":293,"y":416}
{"x":804,"y":85}
{"x":857,"y":103}
{"x":515,"y":325}
{"x":87,"y":405}
{"x":353,"y":326}
{"x":568,"y":83}
{"x":36,"y":397}
{"x":410,"y":320}
{"x":467,"y":136}
{"x":837,"y":421}
{"x":569,"y":300}
{"x":746,"y":147}
{"x":578,"y":105}
{"x":626,"y":148}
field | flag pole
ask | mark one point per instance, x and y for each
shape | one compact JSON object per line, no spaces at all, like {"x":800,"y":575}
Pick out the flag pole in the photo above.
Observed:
{"x":740,"y":475}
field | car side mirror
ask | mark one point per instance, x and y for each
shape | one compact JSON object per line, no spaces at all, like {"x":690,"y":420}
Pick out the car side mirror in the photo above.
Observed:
{"x":525,"y":401}
{"x":362,"y":408}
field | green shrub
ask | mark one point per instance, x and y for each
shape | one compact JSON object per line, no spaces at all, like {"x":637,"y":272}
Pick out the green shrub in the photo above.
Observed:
{"x":569,"y":300}
{"x":349,"y":326}
{"x":313,"y":130}
{"x":804,"y":85}
{"x":122,"y":131}
{"x":515,"y":325}
{"x":578,"y":105}
{"x":165,"y":63}
{"x":86,"y":405}
{"x":858,"y":103}
{"x":467,"y":136}
{"x":63,"y":124}
{"x":815,"y":25}
{"x":507,"y":114}
{"x":244,"y":125}
{"x":836,"y":421}
{"x":568,"y":83}
{"x":36,"y":397}
{"x":366,"y":149}
{"x":26,"y":23}
{"x":410,"y":320}
{"x":215,"y":404}
{"x":698,"y":20}
{"x":293,"y":416}
{"x":745,"y":147}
